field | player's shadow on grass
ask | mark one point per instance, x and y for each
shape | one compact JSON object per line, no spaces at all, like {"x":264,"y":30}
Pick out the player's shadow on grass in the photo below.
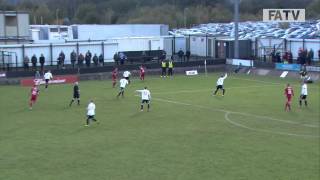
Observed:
{"x":219,"y":97}
{"x":138,"y":114}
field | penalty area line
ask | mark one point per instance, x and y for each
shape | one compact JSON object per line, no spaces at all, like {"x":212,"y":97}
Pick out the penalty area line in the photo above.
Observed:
{"x":227,"y":113}
{"x":227,"y":118}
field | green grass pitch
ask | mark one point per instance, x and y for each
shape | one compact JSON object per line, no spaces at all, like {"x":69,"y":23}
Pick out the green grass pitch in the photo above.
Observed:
{"x":188,"y":134}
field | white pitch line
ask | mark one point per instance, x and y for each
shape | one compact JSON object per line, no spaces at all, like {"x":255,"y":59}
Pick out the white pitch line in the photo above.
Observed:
{"x":226,"y":116}
{"x":246,"y":114}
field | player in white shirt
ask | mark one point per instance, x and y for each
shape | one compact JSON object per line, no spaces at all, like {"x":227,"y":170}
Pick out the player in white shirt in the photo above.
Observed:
{"x":91,"y":112}
{"x":47,"y":76}
{"x":304,"y":94}
{"x":123,"y":84}
{"x":145,"y":97}
{"x":127,"y":75}
{"x":220,"y":84}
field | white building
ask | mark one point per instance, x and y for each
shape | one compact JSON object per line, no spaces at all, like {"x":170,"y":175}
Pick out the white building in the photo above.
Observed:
{"x":14,"y":27}
{"x":60,"y":33}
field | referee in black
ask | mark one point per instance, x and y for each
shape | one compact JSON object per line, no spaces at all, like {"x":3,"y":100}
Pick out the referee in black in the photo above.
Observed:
{"x":76,"y":94}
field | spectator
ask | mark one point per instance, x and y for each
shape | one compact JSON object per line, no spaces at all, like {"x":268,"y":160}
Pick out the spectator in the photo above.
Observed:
{"x":273,"y":56}
{"x":116,"y":58}
{"x":285,"y":58}
{"x":163,"y":68}
{"x":88,"y":59}
{"x":101,"y":60}
{"x":319,"y":54}
{"x":59,"y":62}
{"x":73,"y":58}
{"x":238,"y":68}
{"x":34,"y":61}
{"x":310,"y":56}
{"x":163,"y":56}
{"x":188,"y":54}
{"x":290,"y":58}
{"x":26,"y":61}
{"x":42,"y":61}
{"x":180,"y":54}
{"x":170,"y":68}
{"x":80,"y":60}
{"x":89,"y":54}
{"x":278,"y":57}
{"x":304,"y":56}
{"x":122,"y":57}
{"x":95,"y":60}
{"x":300,"y":58}
{"x":62,"y":57}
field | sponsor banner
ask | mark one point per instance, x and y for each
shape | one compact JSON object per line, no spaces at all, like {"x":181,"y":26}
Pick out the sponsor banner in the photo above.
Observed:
{"x":192,"y":73}
{"x":3,"y":75}
{"x":243,"y":62}
{"x":284,"y":15}
{"x":313,"y":68}
{"x":288,"y":67}
{"x":56,"y":80}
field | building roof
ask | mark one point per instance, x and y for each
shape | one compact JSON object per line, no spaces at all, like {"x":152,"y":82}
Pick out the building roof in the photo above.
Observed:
{"x":13,"y":12}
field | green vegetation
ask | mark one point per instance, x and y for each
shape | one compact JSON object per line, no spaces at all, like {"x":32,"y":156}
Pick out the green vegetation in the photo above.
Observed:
{"x":176,"y":13}
{"x":188,"y":134}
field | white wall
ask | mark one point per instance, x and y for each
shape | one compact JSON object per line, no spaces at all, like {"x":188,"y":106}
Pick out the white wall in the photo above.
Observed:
{"x":100,"y":32}
{"x":180,"y":43}
{"x":198,"y":46}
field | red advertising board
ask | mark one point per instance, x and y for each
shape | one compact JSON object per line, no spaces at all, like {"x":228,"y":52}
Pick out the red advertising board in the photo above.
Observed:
{"x":56,"y":80}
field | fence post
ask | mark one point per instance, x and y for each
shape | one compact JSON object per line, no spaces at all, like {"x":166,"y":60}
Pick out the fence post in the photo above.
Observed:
{"x":102,"y":48}
{"x":206,"y":45}
{"x":77,"y":49}
{"x":51,"y":55}
{"x":189,"y":43}
{"x":23,"y":51}
{"x":285,"y":45}
{"x":16,"y":61}
{"x":290,"y":46}
{"x":256,"y":48}
{"x":2,"y":59}
{"x":174,"y":44}
{"x":303,"y":45}
{"x":214,"y":52}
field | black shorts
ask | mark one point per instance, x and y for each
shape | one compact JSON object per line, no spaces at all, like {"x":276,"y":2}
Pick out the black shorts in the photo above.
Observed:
{"x":219,"y":87}
{"x":47,"y":81}
{"x":145,"y":101}
{"x":304,"y":97}
{"x":127,"y":78}
{"x":90,"y":117}
{"x":76,"y":96}
{"x":121,"y":89}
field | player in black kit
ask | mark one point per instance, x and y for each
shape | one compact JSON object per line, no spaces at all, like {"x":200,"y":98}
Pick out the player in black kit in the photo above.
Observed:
{"x":76,"y":94}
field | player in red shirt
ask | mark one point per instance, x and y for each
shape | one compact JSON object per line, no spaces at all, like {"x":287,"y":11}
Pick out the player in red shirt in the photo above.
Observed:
{"x":142,"y":72}
{"x":288,"y":92}
{"x":114,"y":77}
{"x":34,"y":95}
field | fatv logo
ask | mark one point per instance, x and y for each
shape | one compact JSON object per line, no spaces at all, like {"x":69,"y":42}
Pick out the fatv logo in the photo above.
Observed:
{"x":284,"y":15}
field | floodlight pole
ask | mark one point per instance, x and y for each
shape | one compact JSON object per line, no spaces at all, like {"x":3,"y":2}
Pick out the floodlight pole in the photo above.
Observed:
{"x":236,"y":29}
